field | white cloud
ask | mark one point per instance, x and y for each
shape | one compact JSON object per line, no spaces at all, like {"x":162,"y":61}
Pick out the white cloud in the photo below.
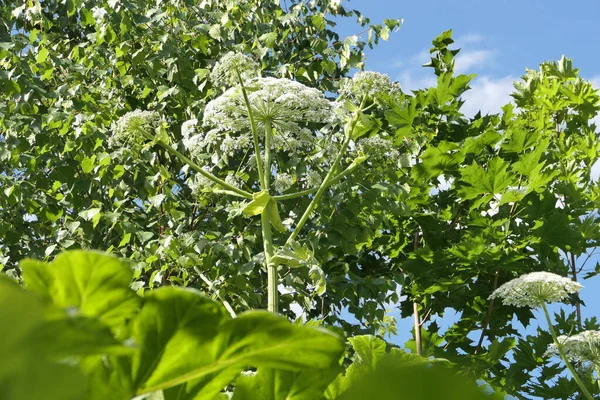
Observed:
{"x":466,"y":61}
{"x":488,"y":95}
{"x":411,"y":81}
{"x":469,"y":38}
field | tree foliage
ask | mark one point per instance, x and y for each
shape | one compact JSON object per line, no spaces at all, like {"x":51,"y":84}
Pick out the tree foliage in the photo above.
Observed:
{"x":443,"y":210}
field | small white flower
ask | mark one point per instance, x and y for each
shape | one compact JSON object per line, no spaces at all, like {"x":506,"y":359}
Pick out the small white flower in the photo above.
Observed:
{"x":234,"y":180}
{"x":534,"y":289}
{"x":188,"y":128}
{"x":583,"y":347}
{"x":312,"y":179}
{"x":99,"y":13}
{"x":378,"y":149}
{"x":128,"y":127}
{"x":286,"y":104}
{"x":224,"y":73}
{"x":335,"y":4}
{"x":283,"y":182}
{"x":370,"y":84}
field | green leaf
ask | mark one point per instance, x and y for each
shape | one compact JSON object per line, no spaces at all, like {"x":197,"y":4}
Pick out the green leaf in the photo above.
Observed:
{"x":88,"y":163}
{"x":157,"y":200}
{"x":29,"y":371}
{"x":85,"y":283}
{"x":258,"y":204}
{"x":269,"y":384}
{"x":42,"y":55}
{"x":255,"y":338}
{"x":274,"y":216}
{"x":90,"y":213}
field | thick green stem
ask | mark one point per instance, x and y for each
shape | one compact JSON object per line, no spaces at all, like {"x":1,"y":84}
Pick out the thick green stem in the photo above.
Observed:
{"x":563,"y":356}
{"x":196,"y":167}
{"x":259,"y":163}
{"x":349,"y":134}
{"x":598,"y":377}
{"x":265,"y":219}
{"x":272,"y":278}
{"x":267,"y":166}
{"x":319,"y":193}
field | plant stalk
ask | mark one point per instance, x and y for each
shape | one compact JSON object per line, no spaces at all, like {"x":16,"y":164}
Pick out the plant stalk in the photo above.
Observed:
{"x":196,"y":167}
{"x":574,"y":273}
{"x":563,"y":356}
{"x":210,"y":286}
{"x":417,"y":319}
{"x":319,"y":193}
{"x":488,"y":316}
{"x":259,"y":163}
{"x":265,"y":219}
{"x":272,"y":278}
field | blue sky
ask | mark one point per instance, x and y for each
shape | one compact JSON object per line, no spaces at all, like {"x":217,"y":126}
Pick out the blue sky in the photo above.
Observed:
{"x":499,"y":40}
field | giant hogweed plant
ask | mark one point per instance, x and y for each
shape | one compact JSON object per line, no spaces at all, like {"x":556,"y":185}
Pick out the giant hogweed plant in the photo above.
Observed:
{"x":286,"y":133}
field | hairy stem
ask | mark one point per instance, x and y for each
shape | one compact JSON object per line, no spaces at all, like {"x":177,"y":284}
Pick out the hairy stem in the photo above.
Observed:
{"x":196,"y":167}
{"x":561,"y":351}
{"x":272,"y":278}
{"x":265,"y":219}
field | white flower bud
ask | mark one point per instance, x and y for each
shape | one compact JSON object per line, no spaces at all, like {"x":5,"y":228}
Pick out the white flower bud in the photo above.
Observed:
{"x":224,"y":73}
{"x":128,"y":128}
{"x":370,"y":84}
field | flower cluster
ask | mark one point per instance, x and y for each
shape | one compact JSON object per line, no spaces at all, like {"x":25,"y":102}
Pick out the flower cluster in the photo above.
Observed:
{"x":378,"y":149}
{"x":225,"y":71}
{"x":369,"y":84}
{"x":311,"y":179}
{"x":286,"y":104}
{"x":129,"y":126}
{"x":534,"y":289}
{"x":283,"y":182}
{"x":583,"y":347}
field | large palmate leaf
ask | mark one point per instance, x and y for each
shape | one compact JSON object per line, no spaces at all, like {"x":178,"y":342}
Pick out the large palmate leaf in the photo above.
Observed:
{"x":269,"y":384}
{"x":187,"y":339}
{"x":28,"y":370}
{"x":85,"y":283}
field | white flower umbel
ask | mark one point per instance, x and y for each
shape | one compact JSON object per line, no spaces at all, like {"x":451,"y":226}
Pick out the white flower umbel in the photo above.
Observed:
{"x":283,"y":182}
{"x":225,"y":72}
{"x":370,"y":84}
{"x":128,"y":128}
{"x":535,"y":289}
{"x":583,"y":347}
{"x":378,"y":149}
{"x":188,"y":128}
{"x":286,"y":104}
